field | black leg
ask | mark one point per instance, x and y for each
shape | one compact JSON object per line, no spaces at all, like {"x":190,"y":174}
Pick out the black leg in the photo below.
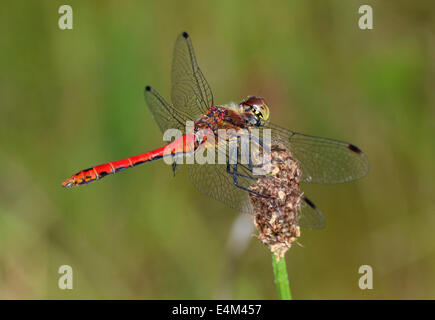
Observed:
{"x":239,"y":174}
{"x":259,"y":141}
{"x":236,"y":183}
{"x":246,"y":146}
{"x":236,"y":175}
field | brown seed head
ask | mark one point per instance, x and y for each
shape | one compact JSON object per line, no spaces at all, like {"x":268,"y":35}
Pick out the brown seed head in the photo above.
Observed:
{"x":276,"y":217}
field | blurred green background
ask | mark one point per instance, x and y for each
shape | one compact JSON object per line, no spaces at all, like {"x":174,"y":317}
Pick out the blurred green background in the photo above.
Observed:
{"x":74,"y":98}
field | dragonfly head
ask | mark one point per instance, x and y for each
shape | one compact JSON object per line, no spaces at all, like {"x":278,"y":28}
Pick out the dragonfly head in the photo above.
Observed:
{"x":257,"y":106}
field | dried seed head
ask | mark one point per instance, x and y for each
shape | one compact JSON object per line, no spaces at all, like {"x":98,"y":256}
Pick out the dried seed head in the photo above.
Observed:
{"x":276,"y":217}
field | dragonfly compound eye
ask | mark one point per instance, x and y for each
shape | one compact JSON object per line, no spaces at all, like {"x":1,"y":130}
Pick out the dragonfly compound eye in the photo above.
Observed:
{"x":264,"y":111}
{"x":259,"y":107}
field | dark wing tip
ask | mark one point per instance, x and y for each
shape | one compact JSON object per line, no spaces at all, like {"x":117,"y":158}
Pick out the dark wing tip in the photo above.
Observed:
{"x":310,"y":203}
{"x":147,"y":88}
{"x":185,"y":35}
{"x":354,"y":148}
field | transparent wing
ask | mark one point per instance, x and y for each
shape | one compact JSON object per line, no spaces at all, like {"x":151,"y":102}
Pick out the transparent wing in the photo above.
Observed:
{"x":190,"y":91}
{"x":166,"y":116}
{"x":214,"y":181}
{"x":322,"y":160}
{"x":311,"y":217}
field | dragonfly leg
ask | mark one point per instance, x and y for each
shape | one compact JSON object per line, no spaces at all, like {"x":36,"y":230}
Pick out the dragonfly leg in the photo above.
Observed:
{"x":259,"y":141}
{"x":239,"y":174}
{"x":236,"y":175}
{"x":249,"y":163}
{"x":246,"y":146}
{"x":174,"y":168}
{"x":236,"y":183}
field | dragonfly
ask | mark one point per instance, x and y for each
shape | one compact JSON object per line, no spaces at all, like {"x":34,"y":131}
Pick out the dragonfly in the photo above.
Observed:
{"x":321,"y":160}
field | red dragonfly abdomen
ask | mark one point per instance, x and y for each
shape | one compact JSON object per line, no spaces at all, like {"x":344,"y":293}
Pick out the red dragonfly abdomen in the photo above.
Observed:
{"x":180,"y":146}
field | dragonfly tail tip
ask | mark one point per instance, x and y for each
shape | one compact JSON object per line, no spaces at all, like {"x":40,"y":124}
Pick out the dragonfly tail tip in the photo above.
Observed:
{"x":68,"y":183}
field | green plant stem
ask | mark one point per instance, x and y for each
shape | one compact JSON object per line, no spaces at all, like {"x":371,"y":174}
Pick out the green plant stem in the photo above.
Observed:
{"x":281,"y":279}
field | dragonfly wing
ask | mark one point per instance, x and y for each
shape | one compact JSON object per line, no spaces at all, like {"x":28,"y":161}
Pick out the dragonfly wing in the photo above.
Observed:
{"x":214,"y":181}
{"x":166,"y":116}
{"x":191,"y":92}
{"x":322,"y":160}
{"x":311,"y":217}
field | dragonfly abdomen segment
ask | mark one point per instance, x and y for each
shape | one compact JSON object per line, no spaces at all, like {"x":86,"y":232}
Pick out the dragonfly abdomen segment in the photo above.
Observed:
{"x":179,"y":146}
{"x":102,"y":170}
